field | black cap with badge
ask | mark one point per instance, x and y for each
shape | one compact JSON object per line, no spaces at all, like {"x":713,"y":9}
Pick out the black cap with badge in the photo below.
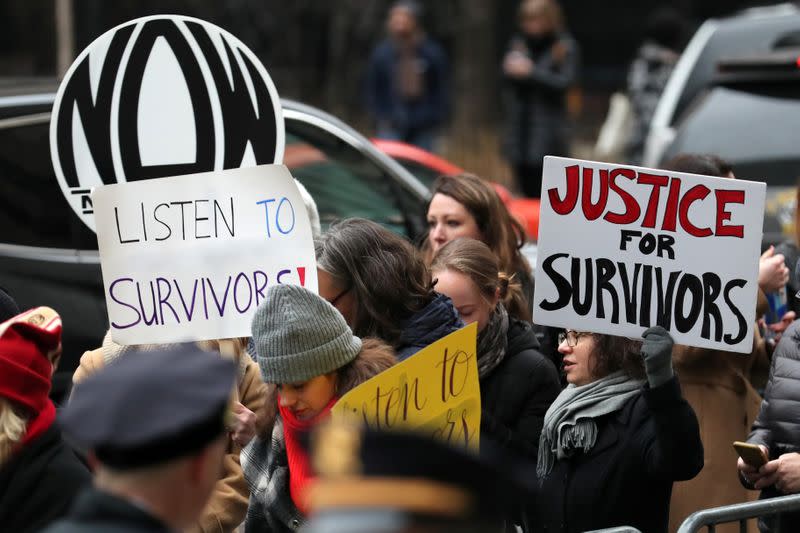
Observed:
{"x":151,"y":407}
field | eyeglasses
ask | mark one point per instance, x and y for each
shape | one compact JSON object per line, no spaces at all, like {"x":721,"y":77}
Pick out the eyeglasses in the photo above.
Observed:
{"x":339,"y":296}
{"x":571,"y":336}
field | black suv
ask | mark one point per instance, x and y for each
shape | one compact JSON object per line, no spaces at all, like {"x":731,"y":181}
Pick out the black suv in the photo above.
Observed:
{"x":49,"y":257}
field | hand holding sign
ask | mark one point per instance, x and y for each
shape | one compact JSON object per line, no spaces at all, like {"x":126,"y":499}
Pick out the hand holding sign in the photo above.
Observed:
{"x":436,"y":391}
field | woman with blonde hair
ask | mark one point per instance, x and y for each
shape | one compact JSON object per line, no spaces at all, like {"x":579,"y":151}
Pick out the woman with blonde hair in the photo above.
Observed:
{"x":40,"y":476}
{"x":464,"y":205}
{"x":539,"y":68}
{"x":518,"y":383}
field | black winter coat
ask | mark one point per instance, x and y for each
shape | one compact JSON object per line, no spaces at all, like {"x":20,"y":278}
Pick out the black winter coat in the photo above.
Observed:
{"x":100,"y":512}
{"x":516,"y":395}
{"x":536,"y":113}
{"x":777,"y":425}
{"x":626,"y":478}
{"x":39,"y":483}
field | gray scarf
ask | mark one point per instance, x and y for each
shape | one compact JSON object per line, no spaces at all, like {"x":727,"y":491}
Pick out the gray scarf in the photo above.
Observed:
{"x":569,"y":423}
{"x":493,"y":342}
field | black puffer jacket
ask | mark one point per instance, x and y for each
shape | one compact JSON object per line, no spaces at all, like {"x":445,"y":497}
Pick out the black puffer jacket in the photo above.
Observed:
{"x":516,"y":395}
{"x":778,"y":426}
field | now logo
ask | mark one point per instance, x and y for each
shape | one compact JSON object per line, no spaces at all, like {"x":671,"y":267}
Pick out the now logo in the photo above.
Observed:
{"x":161,"y":96}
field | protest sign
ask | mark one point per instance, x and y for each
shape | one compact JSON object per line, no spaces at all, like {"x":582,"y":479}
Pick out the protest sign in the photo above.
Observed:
{"x":191,"y":257}
{"x":623,"y":248}
{"x":161,"y":96}
{"x":435,"y":391}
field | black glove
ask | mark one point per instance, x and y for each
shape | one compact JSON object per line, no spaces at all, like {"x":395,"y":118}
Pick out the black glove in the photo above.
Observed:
{"x":657,"y":355}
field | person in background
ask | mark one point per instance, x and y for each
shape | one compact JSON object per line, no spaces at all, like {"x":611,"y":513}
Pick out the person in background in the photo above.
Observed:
{"x":40,"y":476}
{"x":539,"y":67}
{"x":407,"y":80}
{"x":227,"y":506}
{"x":380,"y":284}
{"x":720,"y":386}
{"x":310,"y":358}
{"x":156,"y":444}
{"x":665,"y":33}
{"x":402,"y":482}
{"x":775,"y":430}
{"x":790,"y":250}
{"x":464,"y":205}
{"x":616,"y":438}
{"x":518,"y":383}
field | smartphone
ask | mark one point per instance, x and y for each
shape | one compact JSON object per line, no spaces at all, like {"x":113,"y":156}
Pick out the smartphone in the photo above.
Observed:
{"x":751,"y":454}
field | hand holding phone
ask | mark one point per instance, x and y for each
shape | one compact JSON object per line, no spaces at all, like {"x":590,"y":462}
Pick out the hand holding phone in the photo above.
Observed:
{"x":752,"y":454}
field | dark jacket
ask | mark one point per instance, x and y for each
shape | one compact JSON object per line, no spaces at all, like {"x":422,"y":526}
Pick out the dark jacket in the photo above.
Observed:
{"x":536,"y":114}
{"x":438,"y":319}
{"x":516,"y":395}
{"x":626,"y":478}
{"x":791,"y":254}
{"x":39,"y":483}
{"x":777,"y":425}
{"x":97,"y":511}
{"x":387,"y":106}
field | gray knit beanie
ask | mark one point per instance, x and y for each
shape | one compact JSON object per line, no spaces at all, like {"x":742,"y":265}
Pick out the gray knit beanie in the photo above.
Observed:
{"x":299,"y":335}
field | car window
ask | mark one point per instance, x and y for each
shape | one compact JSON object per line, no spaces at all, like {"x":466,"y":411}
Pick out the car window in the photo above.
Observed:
{"x":424,"y":174}
{"x":343,"y":182}
{"x":747,"y":36}
{"x":33,"y":211}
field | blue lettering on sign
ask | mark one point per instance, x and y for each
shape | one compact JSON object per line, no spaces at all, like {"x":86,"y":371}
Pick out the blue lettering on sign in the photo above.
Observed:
{"x":277,"y":215}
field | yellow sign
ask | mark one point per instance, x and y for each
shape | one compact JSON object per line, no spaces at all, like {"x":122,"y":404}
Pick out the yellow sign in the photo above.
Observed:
{"x":435,"y":391}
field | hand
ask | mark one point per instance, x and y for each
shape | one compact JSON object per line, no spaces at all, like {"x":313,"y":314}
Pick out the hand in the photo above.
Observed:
{"x":750,"y":473}
{"x":517,"y":65}
{"x":657,"y":355}
{"x":783,"y":473}
{"x":243,"y":428}
{"x":778,"y":328}
{"x":772,"y":271}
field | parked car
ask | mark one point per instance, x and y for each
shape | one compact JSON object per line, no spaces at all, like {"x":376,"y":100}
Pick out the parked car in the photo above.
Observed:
{"x":427,"y":166}
{"x":750,"y":32}
{"x":48,"y":256}
{"x":749,"y":118}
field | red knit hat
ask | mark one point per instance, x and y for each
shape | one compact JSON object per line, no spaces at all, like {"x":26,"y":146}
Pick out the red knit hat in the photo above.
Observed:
{"x":25,"y":369}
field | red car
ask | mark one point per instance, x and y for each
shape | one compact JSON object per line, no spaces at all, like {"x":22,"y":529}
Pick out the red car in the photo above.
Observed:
{"x":427,"y":166}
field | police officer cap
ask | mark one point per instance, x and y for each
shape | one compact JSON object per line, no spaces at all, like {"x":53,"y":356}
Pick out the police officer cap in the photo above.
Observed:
{"x":151,"y":407}
{"x":415,"y":474}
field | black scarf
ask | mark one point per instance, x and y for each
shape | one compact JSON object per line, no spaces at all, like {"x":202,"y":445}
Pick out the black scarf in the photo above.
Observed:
{"x":493,"y":342}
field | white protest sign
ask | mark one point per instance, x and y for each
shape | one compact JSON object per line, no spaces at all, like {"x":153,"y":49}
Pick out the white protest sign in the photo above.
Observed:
{"x":623,"y":248}
{"x":161,"y":96}
{"x":191,"y":257}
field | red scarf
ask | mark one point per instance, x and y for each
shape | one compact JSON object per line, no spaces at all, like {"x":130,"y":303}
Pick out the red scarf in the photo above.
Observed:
{"x":300,"y":472}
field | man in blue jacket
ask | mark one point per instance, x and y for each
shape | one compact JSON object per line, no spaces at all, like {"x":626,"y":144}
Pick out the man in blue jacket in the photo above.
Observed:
{"x":407,"y":80}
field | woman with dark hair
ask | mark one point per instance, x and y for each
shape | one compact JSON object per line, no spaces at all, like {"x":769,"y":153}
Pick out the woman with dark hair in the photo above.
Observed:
{"x":720,"y":388}
{"x":380,"y":284}
{"x":309,"y":358}
{"x":518,"y":383}
{"x":616,"y":438}
{"x":464,"y":205}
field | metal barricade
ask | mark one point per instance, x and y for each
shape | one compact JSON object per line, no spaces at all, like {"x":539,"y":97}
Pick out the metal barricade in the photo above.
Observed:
{"x":620,"y":529}
{"x":741,"y":512}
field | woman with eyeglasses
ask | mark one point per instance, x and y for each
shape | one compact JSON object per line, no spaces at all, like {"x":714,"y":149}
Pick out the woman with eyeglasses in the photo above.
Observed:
{"x":616,"y":438}
{"x":380,"y":284}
